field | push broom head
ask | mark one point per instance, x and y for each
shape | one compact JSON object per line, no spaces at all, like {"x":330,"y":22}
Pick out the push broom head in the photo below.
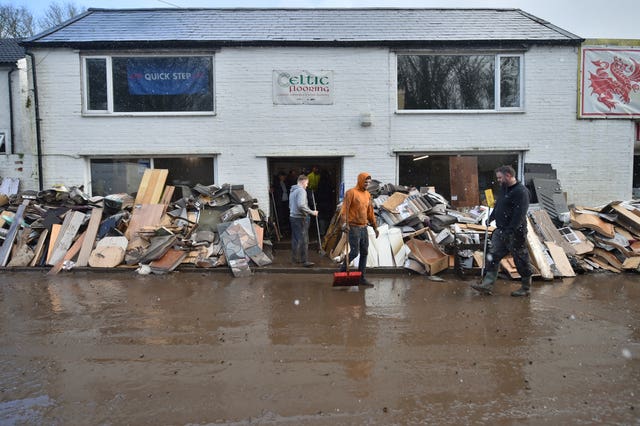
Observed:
{"x":346,"y":279}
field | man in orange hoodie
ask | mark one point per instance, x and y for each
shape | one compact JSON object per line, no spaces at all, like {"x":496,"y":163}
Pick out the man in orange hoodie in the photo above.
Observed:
{"x":357,"y":213}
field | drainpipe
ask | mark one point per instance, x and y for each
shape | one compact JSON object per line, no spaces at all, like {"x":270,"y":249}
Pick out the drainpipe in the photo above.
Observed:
{"x":37,"y":108}
{"x":11,"y":130}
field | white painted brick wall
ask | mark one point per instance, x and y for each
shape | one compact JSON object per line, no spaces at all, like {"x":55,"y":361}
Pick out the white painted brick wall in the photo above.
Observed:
{"x":248,"y":127}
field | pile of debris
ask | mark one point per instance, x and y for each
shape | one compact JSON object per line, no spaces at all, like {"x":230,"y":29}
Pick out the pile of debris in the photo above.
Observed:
{"x":212,"y":226}
{"x":208,"y":226}
{"x":420,"y":231}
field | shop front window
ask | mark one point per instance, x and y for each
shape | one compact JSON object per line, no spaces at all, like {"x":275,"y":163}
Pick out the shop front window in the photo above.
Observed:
{"x":123,"y":175}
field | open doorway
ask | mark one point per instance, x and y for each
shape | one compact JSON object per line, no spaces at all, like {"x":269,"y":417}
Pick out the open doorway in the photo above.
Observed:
{"x":460,"y":178}
{"x":284,"y":172}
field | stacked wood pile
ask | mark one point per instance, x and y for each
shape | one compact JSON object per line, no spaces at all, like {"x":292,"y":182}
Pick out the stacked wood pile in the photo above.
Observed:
{"x":64,"y":228}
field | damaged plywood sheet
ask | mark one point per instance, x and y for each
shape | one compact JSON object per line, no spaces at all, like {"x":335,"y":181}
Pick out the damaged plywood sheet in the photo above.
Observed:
{"x":549,"y":232}
{"x":90,"y":238}
{"x":593,"y":222}
{"x":142,"y":216}
{"x":538,"y":253}
{"x":429,"y":255}
{"x":109,"y":252}
{"x":560,"y":259}
{"x":70,"y":226}
{"x":627,"y":217}
{"x":151,"y":186}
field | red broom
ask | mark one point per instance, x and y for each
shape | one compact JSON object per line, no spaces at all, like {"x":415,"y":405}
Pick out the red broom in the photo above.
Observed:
{"x":347,"y":278}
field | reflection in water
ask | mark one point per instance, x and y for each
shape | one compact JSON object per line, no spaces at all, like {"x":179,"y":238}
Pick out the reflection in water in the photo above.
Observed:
{"x":24,"y":411}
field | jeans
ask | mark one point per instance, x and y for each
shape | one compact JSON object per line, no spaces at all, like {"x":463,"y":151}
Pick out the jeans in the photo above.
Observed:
{"x":359,"y":243}
{"x":503,"y":243}
{"x":299,"y":239}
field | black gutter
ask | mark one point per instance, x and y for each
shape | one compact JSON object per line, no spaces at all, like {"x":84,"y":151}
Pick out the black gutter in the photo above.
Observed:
{"x":10,"y":148}
{"x":37,"y":109}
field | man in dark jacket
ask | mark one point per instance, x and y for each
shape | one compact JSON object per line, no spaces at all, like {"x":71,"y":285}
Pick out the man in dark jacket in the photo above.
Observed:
{"x":510,"y":214}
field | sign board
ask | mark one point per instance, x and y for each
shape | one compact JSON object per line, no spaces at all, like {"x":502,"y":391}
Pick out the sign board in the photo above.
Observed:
{"x":302,"y":87}
{"x":610,"y":82}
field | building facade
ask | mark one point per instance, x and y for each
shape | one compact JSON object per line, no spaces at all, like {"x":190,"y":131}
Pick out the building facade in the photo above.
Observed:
{"x":422,"y":97}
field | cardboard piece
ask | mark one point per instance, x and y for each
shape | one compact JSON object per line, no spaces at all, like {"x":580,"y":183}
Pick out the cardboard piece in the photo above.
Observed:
{"x":429,"y":255}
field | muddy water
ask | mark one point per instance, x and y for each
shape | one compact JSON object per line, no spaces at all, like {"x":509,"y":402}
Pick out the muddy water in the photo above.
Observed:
{"x":188,"y":348}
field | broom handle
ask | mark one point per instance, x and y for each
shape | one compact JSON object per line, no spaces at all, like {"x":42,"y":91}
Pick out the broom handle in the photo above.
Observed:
{"x":346,"y":246}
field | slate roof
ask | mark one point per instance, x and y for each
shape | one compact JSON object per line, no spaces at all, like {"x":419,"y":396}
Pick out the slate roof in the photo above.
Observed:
{"x":10,"y":51}
{"x":248,"y":26}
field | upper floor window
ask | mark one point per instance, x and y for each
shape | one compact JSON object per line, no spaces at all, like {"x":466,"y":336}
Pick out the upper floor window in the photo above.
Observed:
{"x":448,"y":82}
{"x":148,"y":84}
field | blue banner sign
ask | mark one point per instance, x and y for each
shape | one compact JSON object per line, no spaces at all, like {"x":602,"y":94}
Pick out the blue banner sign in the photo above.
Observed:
{"x":168,"y":76}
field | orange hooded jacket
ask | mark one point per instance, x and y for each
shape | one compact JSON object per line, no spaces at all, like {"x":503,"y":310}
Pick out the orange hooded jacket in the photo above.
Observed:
{"x":358,"y":205}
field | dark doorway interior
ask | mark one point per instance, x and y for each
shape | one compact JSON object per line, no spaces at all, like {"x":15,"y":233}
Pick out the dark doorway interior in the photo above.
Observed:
{"x":325,"y":195}
{"x":420,"y":170}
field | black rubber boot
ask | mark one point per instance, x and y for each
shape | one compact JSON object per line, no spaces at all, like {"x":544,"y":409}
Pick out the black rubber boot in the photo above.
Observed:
{"x":524,"y":289}
{"x":486,"y":285}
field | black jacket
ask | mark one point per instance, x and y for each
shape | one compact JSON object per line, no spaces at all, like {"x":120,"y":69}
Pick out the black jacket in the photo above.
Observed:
{"x":510,"y":212}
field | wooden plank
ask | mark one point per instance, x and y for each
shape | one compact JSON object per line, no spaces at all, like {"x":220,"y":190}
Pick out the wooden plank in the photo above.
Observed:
{"x":66,"y":238}
{"x":70,"y":254}
{"x":37,"y":252}
{"x":142,"y":188}
{"x":159,"y":184}
{"x":90,"y":238}
{"x":167,"y":195}
{"x":55,"y":231}
{"x":626,"y":218}
{"x":169,"y":261}
{"x":537,"y":251}
{"x":5,"y":250}
{"x":560,"y":259}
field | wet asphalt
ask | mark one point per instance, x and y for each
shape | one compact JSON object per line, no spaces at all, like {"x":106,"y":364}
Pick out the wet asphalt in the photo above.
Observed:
{"x":200,"y":348}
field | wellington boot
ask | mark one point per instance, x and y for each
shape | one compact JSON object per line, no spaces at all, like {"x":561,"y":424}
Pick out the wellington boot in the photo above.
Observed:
{"x":486,"y":286}
{"x":524,"y":289}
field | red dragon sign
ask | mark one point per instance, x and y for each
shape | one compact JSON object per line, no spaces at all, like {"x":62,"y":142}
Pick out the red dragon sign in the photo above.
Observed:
{"x":614,"y":81}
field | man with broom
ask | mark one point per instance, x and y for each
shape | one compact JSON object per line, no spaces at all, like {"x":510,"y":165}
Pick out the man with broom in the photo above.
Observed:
{"x":357,"y":213}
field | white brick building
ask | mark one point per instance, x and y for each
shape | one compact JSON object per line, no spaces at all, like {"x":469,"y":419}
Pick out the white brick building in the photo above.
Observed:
{"x":519,"y":107}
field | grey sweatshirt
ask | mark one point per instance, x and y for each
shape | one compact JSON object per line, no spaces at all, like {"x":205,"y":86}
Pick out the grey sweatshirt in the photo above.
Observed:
{"x":298,"y":205}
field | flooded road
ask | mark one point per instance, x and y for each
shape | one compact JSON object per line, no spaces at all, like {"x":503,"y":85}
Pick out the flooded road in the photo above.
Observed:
{"x":86,"y":348}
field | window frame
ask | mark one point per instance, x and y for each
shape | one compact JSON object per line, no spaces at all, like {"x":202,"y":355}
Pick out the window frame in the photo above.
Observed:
{"x":498,"y":55}
{"x":110,"y":87}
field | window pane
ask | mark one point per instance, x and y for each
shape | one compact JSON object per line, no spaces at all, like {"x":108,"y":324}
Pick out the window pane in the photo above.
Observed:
{"x":162,"y":84}
{"x":510,"y":82}
{"x":117,"y":176}
{"x":446,"y":82}
{"x":97,"y":83}
{"x":187,"y":171}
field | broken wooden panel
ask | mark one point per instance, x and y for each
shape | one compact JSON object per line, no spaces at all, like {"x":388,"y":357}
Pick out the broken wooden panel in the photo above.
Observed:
{"x":548,"y":231}
{"x":591,"y":221}
{"x":70,"y":254}
{"x":70,"y":226}
{"x":151,"y":186}
{"x":429,"y":254}
{"x":144,"y":215}
{"x":538,"y":253}
{"x":626,"y":217}
{"x":168,"y":262}
{"x":560,"y":259}
{"x":90,"y":238}
{"x":463,"y":176}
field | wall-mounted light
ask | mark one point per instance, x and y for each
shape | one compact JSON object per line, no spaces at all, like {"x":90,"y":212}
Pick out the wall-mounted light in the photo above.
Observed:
{"x":422,"y":157}
{"x":365,"y":119}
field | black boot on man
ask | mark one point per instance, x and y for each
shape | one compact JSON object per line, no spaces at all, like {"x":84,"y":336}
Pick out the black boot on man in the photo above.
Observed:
{"x":525,"y":288}
{"x":486,"y":285}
